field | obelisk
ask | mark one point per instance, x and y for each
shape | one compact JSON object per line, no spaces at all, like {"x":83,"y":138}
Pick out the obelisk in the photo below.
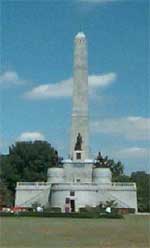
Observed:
{"x":79,"y":130}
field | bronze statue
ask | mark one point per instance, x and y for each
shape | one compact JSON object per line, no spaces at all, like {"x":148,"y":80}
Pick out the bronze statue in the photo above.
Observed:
{"x":78,"y":145}
{"x":99,"y":157}
{"x":103,"y":162}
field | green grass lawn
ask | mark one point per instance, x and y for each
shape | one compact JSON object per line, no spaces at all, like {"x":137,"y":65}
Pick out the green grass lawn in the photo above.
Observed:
{"x":130,"y":232}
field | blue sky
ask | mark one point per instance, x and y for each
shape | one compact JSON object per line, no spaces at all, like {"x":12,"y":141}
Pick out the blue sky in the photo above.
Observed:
{"x":36,"y":75}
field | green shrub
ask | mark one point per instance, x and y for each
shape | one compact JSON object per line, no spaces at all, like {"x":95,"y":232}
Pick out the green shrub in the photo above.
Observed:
{"x":89,"y":209}
{"x":52,"y":210}
{"x":111,"y":215}
{"x":63,"y":215}
{"x":4,"y":214}
{"x":131,"y":210}
{"x":82,"y":210}
{"x":50,"y":214}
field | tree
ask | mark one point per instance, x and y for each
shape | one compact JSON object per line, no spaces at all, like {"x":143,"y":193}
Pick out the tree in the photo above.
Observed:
{"x":27,"y":161}
{"x":111,"y":204}
{"x":142,"y":181}
{"x":116,"y":168}
{"x":6,"y":196}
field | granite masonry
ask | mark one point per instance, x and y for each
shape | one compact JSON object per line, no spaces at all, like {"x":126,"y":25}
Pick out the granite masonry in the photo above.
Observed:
{"x":78,"y":182}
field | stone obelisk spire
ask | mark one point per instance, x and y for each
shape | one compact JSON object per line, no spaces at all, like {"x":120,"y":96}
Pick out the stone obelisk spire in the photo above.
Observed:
{"x":79,"y":131}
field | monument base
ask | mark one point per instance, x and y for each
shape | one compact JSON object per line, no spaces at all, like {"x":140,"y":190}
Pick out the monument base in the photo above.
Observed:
{"x":75,"y":185}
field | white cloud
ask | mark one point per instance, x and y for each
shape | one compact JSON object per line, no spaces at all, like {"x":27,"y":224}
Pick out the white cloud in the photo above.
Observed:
{"x":31,"y":136}
{"x":64,"y":87}
{"x":44,"y":91}
{"x":102,"y":80}
{"x":133,"y":127}
{"x":133,"y":152}
{"x":9,"y":78}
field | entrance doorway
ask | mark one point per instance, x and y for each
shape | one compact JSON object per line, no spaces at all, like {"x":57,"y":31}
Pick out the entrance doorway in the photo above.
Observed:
{"x":72,"y":205}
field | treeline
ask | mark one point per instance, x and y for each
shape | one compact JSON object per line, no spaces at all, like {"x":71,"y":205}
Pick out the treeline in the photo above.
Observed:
{"x":26,"y":161}
{"x":141,"y":178}
{"x":29,"y":161}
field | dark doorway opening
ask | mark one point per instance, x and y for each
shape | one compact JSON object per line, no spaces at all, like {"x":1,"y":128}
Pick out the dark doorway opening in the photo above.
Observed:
{"x":72,"y":193}
{"x":78,"y":155}
{"x":72,"y":204}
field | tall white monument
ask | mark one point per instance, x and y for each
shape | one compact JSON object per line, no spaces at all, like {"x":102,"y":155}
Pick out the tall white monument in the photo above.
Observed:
{"x":80,"y":127}
{"x":79,"y":182}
